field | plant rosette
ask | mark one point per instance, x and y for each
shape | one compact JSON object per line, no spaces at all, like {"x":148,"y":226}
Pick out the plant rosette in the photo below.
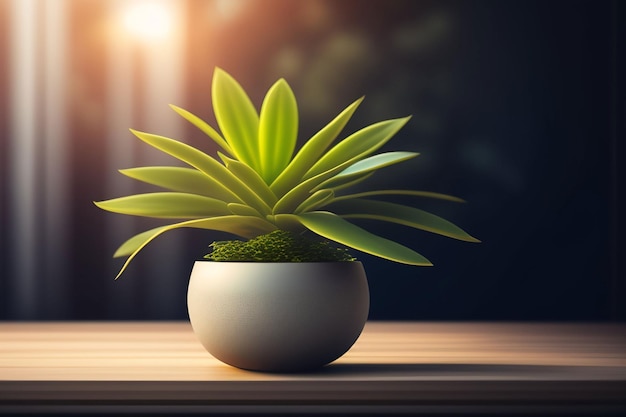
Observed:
{"x":274,"y":315}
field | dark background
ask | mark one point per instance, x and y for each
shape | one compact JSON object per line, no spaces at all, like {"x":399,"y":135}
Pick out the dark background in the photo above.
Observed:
{"x":518,"y":107}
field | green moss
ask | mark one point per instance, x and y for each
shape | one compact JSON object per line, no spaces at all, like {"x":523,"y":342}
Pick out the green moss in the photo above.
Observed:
{"x":277,"y":246}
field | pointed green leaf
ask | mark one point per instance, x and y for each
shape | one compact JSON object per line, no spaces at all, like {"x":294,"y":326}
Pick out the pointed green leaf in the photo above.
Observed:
{"x":316,"y":200}
{"x":361,"y":143}
{"x":184,"y":180}
{"x":166,"y":205}
{"x":237,"y":118}
{"x":376,"y":162}
{"x":278,"y":130}
{"x":339,"y":230}
{"x":366,"y":165}
{"x":427,"y":194}
{"x":246,"y":227}
{"x":397,"y":213}
{"x":251,"y":178}
{"x":206,"y":164}
{"x":311,"y":151}
{"x":204,"y":127}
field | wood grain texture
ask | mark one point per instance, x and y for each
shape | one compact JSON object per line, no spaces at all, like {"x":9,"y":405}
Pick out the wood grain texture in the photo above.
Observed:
{"x":393,"y":364}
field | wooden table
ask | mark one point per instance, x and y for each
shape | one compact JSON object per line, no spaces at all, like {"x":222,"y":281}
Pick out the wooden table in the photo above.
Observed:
{"x":394,"y":368}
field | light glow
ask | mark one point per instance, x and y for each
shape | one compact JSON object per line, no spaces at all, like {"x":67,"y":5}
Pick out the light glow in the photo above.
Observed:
{"x":147,"y":20}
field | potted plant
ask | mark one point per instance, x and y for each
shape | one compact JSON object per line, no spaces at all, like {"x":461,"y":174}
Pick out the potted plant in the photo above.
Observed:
{"x":288,"y":298}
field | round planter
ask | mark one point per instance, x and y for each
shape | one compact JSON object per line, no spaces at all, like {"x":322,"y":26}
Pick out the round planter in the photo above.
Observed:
{"x":277,"y":317}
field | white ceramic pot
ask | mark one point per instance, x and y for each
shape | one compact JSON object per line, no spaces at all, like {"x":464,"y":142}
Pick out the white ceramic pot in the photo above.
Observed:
{"x":277,"y":317}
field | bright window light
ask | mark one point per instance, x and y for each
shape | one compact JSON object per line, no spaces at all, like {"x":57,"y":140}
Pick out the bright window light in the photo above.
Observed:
{"x":147,"y":20}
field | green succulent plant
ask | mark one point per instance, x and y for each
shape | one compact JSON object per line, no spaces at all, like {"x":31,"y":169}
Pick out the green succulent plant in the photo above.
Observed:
{"x":259,"y":182}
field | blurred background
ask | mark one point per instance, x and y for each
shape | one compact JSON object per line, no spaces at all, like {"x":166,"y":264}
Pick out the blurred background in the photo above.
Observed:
{"x":518,"y":107}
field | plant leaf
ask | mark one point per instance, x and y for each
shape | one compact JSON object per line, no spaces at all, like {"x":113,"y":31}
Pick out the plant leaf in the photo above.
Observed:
{"x":132,"y":244}
{"x":311,"y":151}
{"x":206,"y":164}
{"x":251,"y":178}
{"x":317,"y":199}
{"x":166,"y":205}
{"x":294,"y":197}
{"x":360,"y":143}
{"x":184,"y":180}
{"x":348,"y":182}
{"x":244,"y":226}
{"x":376,"y":162}
{"x":397,"y":213}
{"x":335,"y":228}
{"x":237,"y":118}
{"x":204,"y":127}
{"x":278,"y":130}
{"x":366,"y":165}
{"x":427,"y":194}
{"x":243,"y":210}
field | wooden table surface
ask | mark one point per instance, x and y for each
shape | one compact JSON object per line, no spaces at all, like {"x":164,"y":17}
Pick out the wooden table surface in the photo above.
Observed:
{"x":395,"y":367}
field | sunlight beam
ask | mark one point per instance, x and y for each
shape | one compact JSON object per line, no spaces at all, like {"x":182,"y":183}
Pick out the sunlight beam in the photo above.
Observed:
{"x":23,"y":159}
